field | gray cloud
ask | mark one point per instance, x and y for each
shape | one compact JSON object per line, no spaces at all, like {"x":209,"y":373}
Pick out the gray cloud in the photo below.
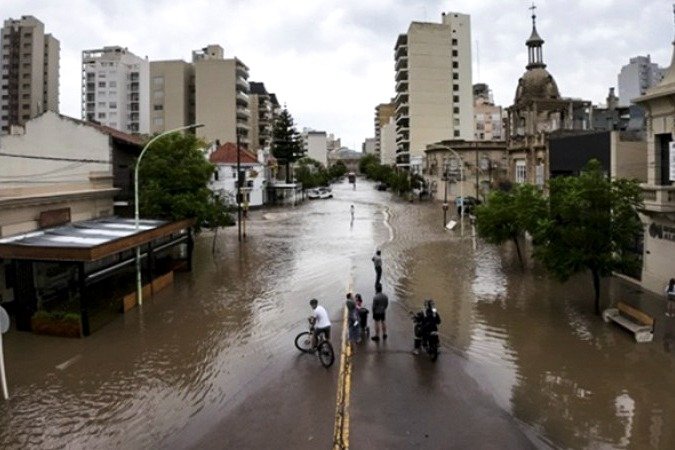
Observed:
{"x":332,"y":61}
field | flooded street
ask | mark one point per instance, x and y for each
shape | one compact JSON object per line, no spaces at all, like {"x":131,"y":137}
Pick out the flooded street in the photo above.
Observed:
{"x":166,"y":374}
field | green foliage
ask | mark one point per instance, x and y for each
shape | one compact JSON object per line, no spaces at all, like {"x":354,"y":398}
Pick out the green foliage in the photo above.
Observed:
{"x":591,"y":223}
{"x":507,"y":215}
{"x":337,"y":170}
{"x":57,"y":316}
{"x":399,"y":181}
{"x":312,"y":173}
{"x":287,"y":146}
{"x":173,"y":182}
{"x":366,"y":161}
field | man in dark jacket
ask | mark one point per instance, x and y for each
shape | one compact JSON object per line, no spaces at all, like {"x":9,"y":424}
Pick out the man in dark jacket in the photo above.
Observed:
{"x":380,"y":303}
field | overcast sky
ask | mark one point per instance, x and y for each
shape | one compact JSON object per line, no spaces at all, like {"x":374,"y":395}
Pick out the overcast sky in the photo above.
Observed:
{"x":331,"y":61}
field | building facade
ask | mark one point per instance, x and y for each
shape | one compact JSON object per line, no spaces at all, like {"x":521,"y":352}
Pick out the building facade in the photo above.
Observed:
{"x":537,"y":111}
{"x":172,"y":95}
{"x":368,"y":146}
{"x":383,"y":112}
{"x":224,"y":180}
{"x":636,"y":77}
{"x":433,"y":86}
{"x":30,"y":72}
{"x":262,"y":117}
{"x":487,"y":117}
{"x":658,"y":215}
{"x":388,"y":142}
{"x":115,"y":89}
{"x":316,"y":145}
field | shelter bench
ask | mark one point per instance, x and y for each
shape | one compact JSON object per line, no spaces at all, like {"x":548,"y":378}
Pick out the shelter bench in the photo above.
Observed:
{"x":634,"y":320}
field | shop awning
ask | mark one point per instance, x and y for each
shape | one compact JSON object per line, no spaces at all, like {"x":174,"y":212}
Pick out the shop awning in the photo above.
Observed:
{"x":89,"y":240}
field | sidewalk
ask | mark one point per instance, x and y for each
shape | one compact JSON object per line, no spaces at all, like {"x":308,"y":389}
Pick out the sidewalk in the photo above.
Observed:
{"x":399,"y":400}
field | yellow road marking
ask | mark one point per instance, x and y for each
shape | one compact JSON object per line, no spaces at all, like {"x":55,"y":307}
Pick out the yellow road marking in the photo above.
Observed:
{"x":341,"y":427}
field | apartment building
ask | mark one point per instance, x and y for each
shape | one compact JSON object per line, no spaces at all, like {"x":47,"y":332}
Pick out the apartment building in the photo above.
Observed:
{"x":368,"y":146}
{"x":315,"y":144}
{"x":211,"y":90}
{"x":434,"y":98}
{"x":115,"y":89}
{"x":487,"y":116}
{"x":383,"y":112}
{"x":636,"y":77}
{"x":30,"y":72}
{"x":262,"y":117}
{"x":172,"y":95}
{"x":221,"y":96}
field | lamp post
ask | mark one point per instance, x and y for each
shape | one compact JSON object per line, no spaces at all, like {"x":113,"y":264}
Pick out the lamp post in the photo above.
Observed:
{"x":139,"y":288}
{"x":445,"y":196}
{"x":461,"y":185}
{"x":238,"y":188}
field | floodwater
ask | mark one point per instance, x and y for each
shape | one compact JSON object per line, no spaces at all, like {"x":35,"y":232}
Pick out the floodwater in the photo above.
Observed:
{"x":163,"y":374}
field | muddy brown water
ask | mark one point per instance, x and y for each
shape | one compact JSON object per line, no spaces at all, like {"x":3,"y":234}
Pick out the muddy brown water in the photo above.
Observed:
{"x":198,"y":349}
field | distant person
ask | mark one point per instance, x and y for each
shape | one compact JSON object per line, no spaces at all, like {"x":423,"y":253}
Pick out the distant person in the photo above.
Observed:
{"x":377,"y":262}
{"x":362,"y":312}
{"x":351,"y":211}
{"x":426,"y":321}
{"x":670,"y":298}
{"x":352,"y":321}
{"x":380,"y":304}
{"x":322,"y":321}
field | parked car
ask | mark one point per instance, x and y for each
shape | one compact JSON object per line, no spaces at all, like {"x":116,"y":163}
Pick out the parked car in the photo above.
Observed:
{"x":469,"y":204}
{"x":381,"y":186}
{"x":318,"y":193}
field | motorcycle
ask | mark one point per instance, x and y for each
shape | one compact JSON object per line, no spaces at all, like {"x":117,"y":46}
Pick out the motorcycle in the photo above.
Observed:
{"x":426,"y":331}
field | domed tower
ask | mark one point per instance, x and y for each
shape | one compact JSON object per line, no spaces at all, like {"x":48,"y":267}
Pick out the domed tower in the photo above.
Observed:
{"x":536,"y":83}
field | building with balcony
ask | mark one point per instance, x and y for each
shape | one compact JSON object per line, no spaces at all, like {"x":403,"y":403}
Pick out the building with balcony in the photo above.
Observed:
{"x":383,"y":112}
{"x":115,"y":89}
{"x":636,"y":77}
{"x":433,"y":86}
{"x":658,"y":215}
{"x":263,"y":115}
{"x":30,"y":72}
{"x":537,"y":111}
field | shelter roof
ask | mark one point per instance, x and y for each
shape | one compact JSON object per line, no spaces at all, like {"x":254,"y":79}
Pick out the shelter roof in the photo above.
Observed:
{"x":227,"y":154}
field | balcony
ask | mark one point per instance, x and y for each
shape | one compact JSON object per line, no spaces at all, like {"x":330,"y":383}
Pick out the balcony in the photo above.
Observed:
{"x":242,"y":99}
{"x":402,"y":74}
{"x":242,"y":71}
{"x":242,"y":85}
{"x":402,"y":86}
{"x":401,"y":98}
{"x":243,"y":113}
{"x":402,"y":109}
{"x":660,"y":199}
{"x":401,"y":63}
{"x":402,"y":138}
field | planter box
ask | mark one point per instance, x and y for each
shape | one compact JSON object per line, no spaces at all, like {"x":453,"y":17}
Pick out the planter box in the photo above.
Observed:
{"x":56,"y":326}
{"x":159,"y":283}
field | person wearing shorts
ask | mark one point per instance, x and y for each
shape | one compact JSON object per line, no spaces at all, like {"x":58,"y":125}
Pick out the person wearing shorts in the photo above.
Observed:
{"x":380,"y":303}
{"x":321,"y":320}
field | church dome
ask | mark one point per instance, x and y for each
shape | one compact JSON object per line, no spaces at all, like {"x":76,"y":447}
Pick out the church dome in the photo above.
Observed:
{"x":536,"y":83}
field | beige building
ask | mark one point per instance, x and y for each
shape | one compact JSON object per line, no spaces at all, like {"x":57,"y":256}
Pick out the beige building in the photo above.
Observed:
{"x":211,"y":90}
{"x":434,"y":98}
{"x":388,"y":142}
{"x":383,"y":112}
{"x":537,"y":111}
{"x":172,"y":98}
{"x":659,"y":190}
{"x":30,"y":72}
{"x":115,"y":89}
{"x":487,"y":117}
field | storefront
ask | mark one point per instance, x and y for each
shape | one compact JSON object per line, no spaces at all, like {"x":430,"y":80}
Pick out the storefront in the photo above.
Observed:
{"x":84,"y":272}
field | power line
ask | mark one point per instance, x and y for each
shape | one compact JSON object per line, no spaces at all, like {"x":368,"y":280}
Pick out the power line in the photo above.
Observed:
{"x":53,"y":158}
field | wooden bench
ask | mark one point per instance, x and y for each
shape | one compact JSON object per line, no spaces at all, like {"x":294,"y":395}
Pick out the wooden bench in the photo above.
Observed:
{"x":634,"y":320}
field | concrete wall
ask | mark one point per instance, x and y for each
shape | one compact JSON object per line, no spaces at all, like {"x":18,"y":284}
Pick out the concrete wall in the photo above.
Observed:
{"x":317,"y":147}
{"x":227,"y":175}
{"x":52,"y":52}
{"x":388,"y":142}
{"x":169,"y":95}
{"x":629,"y":158}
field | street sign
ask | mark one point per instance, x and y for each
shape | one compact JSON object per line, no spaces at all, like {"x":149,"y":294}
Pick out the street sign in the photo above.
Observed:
{"x":4,"y":320}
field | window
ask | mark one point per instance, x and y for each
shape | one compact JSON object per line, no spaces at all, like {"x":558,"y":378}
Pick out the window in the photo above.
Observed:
{"x":454,"y":42}
{"x":456,"y":122}
{"x":455,"y":98}
{"x":112,"y":84}
{"x":158,"y":121}
{"x":101,"y":115}
{"x":456,"y":133}
{"x":158,"y":81}
{"x":455,"y":76}
{"x":159,"y":107}
{"x":521,"y":171}
{"x":101,"y":74}
{"x":455,"y":53}
{"x":101,"y":104}
{"x":455,"y":65}
{"x":158,"y":94}
{"x":112,"y":93}
{"x":112,"y":105}
{"x":101,"y":84}
{"x":539,"y":174}
{"x":101,"y":93}
{"x":455,"y":109}
{"x":455,"y":87}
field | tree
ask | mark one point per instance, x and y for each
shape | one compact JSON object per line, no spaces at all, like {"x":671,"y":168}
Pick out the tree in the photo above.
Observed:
{"x":173,"y":182}
{"x":366,"y":162}
{"x":507,"y":215}
{"x":287,"y":144}
{"x":591,"y":222}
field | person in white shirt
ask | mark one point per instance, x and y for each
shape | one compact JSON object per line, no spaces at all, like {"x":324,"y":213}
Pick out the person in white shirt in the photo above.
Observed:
{"x":322,"y":321}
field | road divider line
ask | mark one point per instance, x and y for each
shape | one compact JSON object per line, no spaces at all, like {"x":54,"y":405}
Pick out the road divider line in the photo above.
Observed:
{"x":341,"y":426}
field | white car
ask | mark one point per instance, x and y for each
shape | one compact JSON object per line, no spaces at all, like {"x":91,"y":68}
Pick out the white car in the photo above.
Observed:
{"x":319,"y":193}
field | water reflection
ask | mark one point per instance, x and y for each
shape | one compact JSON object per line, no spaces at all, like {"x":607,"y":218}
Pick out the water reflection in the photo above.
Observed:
{"x":537,"y":344}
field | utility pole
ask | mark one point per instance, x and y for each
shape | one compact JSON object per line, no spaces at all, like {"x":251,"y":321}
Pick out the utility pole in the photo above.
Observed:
{"x":238,"y":188}
{"x":477,"y":196}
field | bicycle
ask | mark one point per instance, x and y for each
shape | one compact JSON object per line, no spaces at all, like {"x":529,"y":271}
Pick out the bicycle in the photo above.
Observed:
{"x":322,"y":347}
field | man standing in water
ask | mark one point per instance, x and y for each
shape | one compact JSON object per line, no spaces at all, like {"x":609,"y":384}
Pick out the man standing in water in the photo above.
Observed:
{"x":351,"y":211}
{"x":377,"y":262}
{"x":380,"y":303}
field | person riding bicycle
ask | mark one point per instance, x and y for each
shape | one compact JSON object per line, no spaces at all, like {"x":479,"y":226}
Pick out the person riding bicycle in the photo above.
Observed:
{"x":321,"y":320}
{"x":426,"y":321}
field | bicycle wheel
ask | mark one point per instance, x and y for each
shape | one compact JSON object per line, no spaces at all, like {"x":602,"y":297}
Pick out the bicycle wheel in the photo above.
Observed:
{"x":326,"y":354}
{"x":303,"y":342}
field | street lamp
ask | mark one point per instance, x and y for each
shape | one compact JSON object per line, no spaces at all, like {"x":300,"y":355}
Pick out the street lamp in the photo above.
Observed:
{"x":461,"y":188}
{"x":139,"y":288}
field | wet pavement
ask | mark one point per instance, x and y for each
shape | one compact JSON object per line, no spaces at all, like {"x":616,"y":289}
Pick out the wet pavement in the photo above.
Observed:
{"x":210,"y":362}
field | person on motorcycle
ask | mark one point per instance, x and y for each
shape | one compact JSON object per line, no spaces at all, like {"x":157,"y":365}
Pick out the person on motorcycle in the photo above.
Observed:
{"x":426,"y":321}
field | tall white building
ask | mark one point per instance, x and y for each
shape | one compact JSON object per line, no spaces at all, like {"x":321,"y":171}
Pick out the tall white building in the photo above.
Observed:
{"x":434,"y":99}
{"x":116,"y":89}
{"x":316,"y":145}
{"x":30,"y":72}
{"x":636,"y":77}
